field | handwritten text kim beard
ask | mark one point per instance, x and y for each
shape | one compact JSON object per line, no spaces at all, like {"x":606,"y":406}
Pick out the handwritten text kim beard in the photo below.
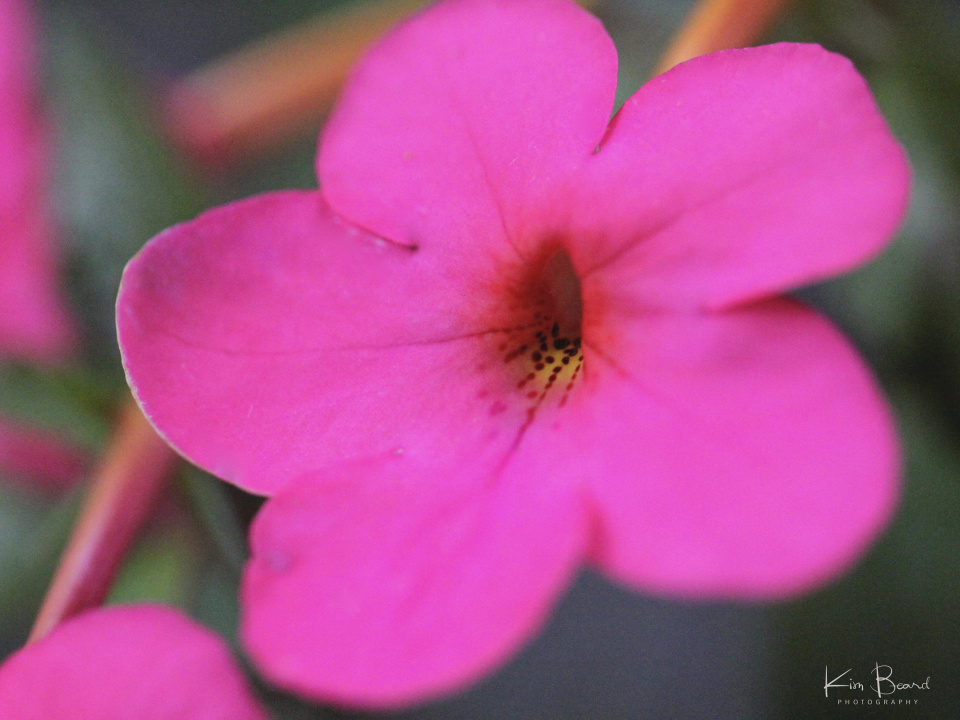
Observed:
{"x":883,"y":685}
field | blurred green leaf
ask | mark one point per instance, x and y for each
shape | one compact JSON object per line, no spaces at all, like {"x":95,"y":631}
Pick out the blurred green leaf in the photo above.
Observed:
{"x":162,"y":567}
{"x":32,"y":534}
{"x":927,"y":40}
{"x":117,"y":184}
{"x":210,"y":502}
{"x":903,"y":309}
{"x":69,"y":403}
{"x":216,"y":599}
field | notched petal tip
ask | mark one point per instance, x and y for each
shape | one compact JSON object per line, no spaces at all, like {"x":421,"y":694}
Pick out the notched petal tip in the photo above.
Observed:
{"x":751,"y":172}
{"x":463,"y":111}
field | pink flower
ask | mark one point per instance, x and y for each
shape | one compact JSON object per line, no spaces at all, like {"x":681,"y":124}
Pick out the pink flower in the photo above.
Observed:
{"x":126,"y":663}
{"x":38,"y":458}
{"x":33,"y":321}
{"x":506,"y":338}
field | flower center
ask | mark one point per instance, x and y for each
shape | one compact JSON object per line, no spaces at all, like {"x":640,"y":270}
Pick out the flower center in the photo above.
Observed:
{"x":545,"y":353}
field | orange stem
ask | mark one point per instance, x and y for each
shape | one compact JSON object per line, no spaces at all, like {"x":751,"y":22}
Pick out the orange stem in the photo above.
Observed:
{"x":719,"y":25}
{"x":124,"y":490}
{"x":253,"y":100}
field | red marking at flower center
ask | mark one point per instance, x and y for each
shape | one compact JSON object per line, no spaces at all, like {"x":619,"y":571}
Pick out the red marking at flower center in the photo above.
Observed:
{"x":543,"y":349}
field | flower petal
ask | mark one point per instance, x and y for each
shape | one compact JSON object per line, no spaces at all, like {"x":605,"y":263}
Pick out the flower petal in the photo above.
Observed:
{"x":383,"y":589}
{"x":741,"y":174}
{"x":268,"y":338}
{"x":457,"y":125}
{"x":747,"y":454}
{"x":124,"y":663}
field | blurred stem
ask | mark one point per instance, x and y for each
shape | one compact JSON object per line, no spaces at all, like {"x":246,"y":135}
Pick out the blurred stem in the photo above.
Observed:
{"x":255,"y":99}
{"x":719,"y":25}
{"x":122,"y":494}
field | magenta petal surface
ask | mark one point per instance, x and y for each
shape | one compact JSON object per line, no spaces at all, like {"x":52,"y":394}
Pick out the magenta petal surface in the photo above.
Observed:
{"x":746,"y":454}
{"x":743,"y":173}
{"x":381,"y":588}
{"x":34,"y":323}
{"x":267,"y":339}
{"x":126,"y":663}
{"x":455,"y":128}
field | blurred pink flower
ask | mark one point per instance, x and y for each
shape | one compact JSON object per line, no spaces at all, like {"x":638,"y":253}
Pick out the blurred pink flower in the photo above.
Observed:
{"x":38,"y":458}
{"x":33,"y":320}
{"x":142,"y":662}
{"x":507,"y":337}
{"x":34,"y":323}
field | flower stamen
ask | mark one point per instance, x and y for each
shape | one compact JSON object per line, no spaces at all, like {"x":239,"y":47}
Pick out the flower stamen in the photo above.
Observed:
{"x":550,"y":356}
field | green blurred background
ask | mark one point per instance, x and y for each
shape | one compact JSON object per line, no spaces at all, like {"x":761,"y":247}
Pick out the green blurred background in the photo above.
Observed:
{"x":607,"y":653}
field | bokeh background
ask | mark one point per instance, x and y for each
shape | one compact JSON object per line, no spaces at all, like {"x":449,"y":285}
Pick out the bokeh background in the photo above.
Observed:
{"x":116,"y":180}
